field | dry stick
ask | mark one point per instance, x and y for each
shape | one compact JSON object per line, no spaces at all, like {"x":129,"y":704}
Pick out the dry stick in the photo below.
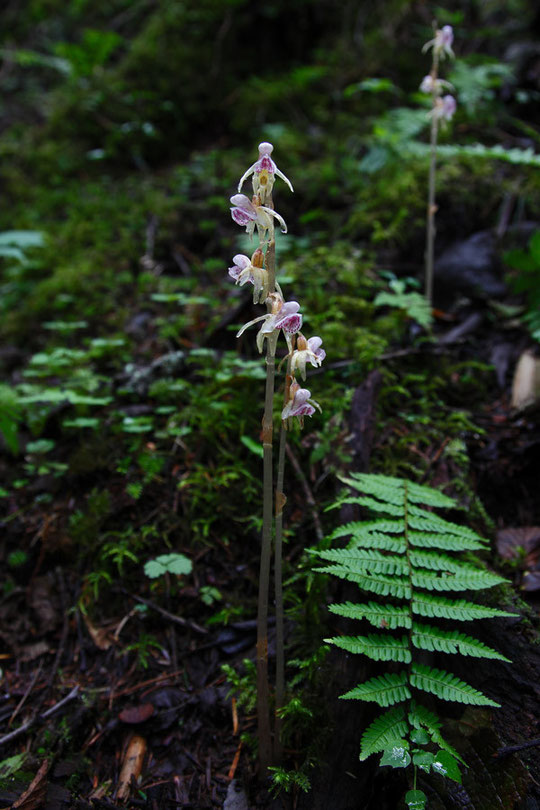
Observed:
{"x":263,"y":691}
{"x":310,"y":500}
{"x":432,"y":208}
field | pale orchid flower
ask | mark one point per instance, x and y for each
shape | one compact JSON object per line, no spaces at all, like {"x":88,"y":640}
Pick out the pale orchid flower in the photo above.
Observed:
{"x":263,"y":171}
{"x":431,"y":85}
{"x":299,"y":403}
{"x":307,"y":351}
{"x":282,"y":315}
{"x":442,"y":43}
{"x":444,"y":108}
{"x":247,"y":213}
{"x":245,"y":269}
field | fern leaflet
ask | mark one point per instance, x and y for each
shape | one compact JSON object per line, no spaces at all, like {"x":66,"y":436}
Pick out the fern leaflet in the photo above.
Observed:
{"x":390,"y":616}
{"x":447,"y":686}
{"x":384,"y":690}
{"x":379,"y":648}
{"x":385,"y":730}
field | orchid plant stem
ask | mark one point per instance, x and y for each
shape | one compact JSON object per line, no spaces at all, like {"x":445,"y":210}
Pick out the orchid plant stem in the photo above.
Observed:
{"x":431,"y":207}
{"x":263,"y":690}
{"x":278,"y":583}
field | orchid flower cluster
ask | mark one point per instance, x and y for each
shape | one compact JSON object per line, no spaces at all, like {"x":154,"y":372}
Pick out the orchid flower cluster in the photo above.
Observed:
{"x":444,"y":106}
{"x":282,"y":316}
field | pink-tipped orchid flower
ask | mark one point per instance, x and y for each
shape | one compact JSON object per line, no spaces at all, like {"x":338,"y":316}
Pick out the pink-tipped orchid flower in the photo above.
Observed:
{"x":307,"y":351}
{"x":264,"y":171}
{"x":299,"y":403}
{"x":442,"y":42}
{"x":247,"y":213}
{"x":282,"y":315}
{"x":444,"y":108}
{"x":252,"y":270}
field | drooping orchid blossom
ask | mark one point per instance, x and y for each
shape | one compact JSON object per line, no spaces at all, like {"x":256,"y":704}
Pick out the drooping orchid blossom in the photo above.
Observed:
{"x":252,"y":270}
{"x":282,"y":315}
{"x":444,"y":108}
{"x":442,"y":42}
{"x":431,"y":85}
{"x":299,"y":403}
{"x":250,"y":213}
{"x":307,"y":351}
{"x":264,"y":170}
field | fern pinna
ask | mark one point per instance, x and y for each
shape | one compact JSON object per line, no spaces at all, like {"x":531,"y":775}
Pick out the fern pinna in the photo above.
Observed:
{"x":408,"y":557}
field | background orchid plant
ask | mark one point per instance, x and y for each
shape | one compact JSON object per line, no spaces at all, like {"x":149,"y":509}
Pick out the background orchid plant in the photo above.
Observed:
{"x":282,"y":317}
{"x":443,"y":108}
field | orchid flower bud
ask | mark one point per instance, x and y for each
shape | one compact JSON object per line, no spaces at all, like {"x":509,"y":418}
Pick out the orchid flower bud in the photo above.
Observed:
{"x":264,"y":171}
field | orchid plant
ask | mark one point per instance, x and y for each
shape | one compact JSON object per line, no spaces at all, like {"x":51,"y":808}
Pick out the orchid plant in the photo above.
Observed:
{"x":443,"y":108}
{"x":282,"y":318}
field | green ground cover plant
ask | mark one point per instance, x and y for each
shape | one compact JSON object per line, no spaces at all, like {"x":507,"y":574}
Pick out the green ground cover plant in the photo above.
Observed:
{"x":410,"y":559}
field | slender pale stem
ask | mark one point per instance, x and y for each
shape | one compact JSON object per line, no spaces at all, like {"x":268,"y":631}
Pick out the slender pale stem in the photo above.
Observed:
{"x":278,"y":580}
{"x":431,"y":207}
{"x":263,"y":690}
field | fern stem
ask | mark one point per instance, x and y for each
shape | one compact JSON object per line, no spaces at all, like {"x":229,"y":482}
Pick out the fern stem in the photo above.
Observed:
{"x":263,"y":689}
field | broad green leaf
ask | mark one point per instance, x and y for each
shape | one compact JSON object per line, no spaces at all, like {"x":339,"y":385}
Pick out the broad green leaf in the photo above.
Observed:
{"x":168,"y":563}
{"x":423,"y":759}
{"x":446,"y":765}
{"x":397,"y":755}
{"x":416,"y":800}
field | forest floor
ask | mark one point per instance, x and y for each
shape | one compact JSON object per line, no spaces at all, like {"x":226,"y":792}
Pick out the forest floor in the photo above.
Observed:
{"x":136,"y":711}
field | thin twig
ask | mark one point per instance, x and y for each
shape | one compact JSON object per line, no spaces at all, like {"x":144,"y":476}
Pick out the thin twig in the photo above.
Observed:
{"x":177,"y":619}
{"x":513,"y":749}
{"x":22,"y":701}
{"x":29,"y":723}
{"x":310,"y":500}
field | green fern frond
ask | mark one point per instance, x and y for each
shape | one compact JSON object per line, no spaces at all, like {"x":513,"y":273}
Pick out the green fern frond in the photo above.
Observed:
{"x":385,"y":729}
{"x":360,"y":560}
{"x":386,"y":690}
{"x":445,"y":542}
{"x":406,"y":555}
{"x":430,"y":606}
{"x":447,"y":686}
{"x":425,"y":637}
{"x":473,"y":580}
{"x":376,"y":647}
{"x":390,"y":616}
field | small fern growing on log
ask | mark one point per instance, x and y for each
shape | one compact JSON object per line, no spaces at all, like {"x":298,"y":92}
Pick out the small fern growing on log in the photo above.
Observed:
{"x":408,"y":558}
